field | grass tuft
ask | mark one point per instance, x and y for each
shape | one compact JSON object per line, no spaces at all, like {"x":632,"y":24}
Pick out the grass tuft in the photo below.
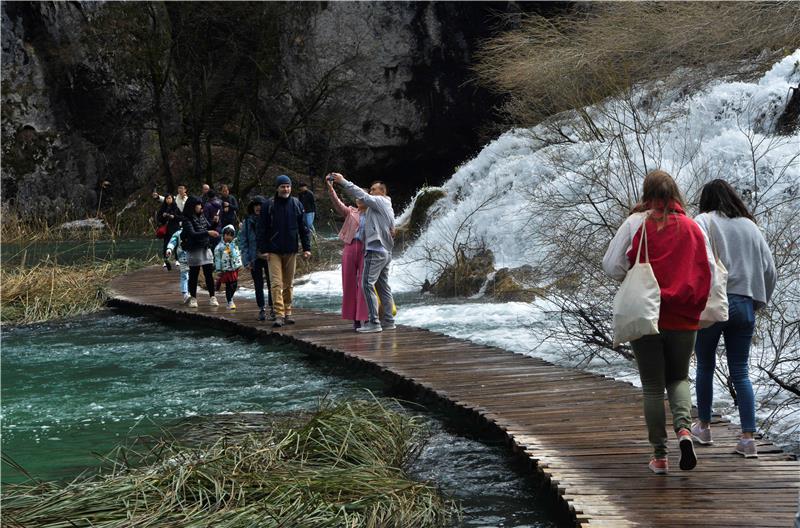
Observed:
{"x":340,"y":466}
{"x":49,"y":291}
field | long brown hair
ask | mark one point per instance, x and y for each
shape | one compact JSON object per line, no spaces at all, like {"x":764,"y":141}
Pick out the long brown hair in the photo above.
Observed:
{"x":659,"y":190}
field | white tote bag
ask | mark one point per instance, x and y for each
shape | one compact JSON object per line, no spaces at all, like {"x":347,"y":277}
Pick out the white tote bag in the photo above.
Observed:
{"x":716,"y":309}
{"x":638,"y":300}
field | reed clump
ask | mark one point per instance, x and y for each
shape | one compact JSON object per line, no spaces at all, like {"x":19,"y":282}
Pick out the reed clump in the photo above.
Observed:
{"x":341,"y":466}
{"x":49,"y":290}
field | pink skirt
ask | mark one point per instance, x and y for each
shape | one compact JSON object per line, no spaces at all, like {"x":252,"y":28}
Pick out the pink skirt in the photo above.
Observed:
{"x":354,"y":304}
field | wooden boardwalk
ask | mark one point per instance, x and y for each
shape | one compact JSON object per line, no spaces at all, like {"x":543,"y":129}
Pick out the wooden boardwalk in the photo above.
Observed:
{"x":583,"y":432}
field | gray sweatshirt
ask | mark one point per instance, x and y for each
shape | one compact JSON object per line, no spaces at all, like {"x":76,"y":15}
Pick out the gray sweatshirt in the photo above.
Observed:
{"x":379,"y":219}
{"x":744,"y":252}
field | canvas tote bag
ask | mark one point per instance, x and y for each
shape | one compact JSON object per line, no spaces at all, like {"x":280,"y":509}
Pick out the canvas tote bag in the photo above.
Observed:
{"x":716,"y":309}
{"x":638,"y":300}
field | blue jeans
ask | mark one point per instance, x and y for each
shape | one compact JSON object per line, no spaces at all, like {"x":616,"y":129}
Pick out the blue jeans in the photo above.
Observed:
{"x":309,"y":218}
{"x":738,"y":333}
{"x":184,"y":278}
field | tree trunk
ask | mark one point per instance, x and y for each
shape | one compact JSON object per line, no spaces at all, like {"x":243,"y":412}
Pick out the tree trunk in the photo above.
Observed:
{"x":197,"y":154}
{"x":209,"y":164}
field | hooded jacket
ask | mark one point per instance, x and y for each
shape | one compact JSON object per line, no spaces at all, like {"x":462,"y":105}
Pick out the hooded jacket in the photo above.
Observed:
{"x":226,"y":255}
{"x":379,"y":217}
{"x":280,"y":226}
{"x":195,"y":228}
{"x":248,"y":235}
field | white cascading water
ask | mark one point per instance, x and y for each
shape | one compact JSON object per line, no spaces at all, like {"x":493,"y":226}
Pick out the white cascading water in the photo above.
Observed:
{"x":727,"y":126}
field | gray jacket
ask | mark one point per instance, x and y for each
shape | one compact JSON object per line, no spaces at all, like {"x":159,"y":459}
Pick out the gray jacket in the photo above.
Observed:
{"x":379,"y":220}
{"x":745,"y":253}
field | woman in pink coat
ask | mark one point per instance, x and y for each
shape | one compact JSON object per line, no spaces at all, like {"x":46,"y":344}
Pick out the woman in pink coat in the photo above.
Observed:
{"x":354,"y":304}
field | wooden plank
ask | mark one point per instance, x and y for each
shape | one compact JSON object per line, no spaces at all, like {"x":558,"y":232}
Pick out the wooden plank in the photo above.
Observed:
{"x":583,"y":432}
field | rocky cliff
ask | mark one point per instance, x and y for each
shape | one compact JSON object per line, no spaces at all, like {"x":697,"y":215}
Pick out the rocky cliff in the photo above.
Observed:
{"x":403,"y":107}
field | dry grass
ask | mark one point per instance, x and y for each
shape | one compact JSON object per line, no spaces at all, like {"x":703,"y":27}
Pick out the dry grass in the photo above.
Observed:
{"x":549,"y":65}
{"x":50,"y":291}
{"x":341,"y":466}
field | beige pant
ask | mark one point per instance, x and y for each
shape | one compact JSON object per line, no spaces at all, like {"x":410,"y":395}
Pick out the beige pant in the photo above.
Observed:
{"x":281,"y":276}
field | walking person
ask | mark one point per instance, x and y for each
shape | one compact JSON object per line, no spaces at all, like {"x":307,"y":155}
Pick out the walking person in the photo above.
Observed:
{"x":230,"y":207}
{"x":306,"y":198}
{"x":378,"y":228}
{"x":259,"y":269}
{"x":354,"y":303}
{"x":228,"y":262}
{"x":679,"y":257}
{"x":196,"y":239}
{"x":280,"y":227}
{"x":169,"y":217}
{"x":751,"y":279}
{"x":174,"y":248}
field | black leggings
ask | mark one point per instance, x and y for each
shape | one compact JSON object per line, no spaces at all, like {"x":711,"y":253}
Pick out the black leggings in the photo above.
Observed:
{"x":194,"y":274}
{"x":230,"y":289}
{"x":259,"y":271}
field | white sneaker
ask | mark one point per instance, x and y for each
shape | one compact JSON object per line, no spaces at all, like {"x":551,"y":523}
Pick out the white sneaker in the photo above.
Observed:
{"x":369,"y":328}
{"x":186,"y":298}
{"x":213,"y":301}
{"x":231,"y":305}
{"x":177,"y":265}
{"x":192,"y":302}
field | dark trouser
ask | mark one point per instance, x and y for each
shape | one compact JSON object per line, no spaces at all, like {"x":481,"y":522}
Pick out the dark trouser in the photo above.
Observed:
{"x":194,"y":274}
{"x":230,"y":289}
{"x":259,"y":271}
{"x":663,"y":361}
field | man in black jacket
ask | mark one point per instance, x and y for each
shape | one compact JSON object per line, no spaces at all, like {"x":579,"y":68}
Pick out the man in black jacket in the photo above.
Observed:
{"x":280,"y":226}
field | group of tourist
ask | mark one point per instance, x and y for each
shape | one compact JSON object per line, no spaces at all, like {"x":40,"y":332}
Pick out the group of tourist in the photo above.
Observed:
{"x":204,"y":234}
{"x":684,"y":254}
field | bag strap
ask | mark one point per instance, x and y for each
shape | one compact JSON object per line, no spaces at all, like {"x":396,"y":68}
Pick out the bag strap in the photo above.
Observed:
{"x":713,"y":241}
{"x":643,"y":242}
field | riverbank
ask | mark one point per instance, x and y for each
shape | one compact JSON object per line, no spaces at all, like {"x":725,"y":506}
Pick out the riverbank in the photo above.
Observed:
{"x":49,"y":290}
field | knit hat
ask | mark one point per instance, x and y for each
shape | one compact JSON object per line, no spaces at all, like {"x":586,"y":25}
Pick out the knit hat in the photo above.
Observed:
{"x":282,"y":180}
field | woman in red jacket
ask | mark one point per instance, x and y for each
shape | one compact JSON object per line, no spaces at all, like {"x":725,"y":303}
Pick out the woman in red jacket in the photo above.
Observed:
{"x":680,"y":261}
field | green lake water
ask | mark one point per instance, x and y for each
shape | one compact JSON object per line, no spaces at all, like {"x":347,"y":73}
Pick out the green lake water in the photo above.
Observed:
{"x":80,"y":387}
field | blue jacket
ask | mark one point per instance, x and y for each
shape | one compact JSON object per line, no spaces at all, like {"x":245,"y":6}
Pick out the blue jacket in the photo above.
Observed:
{"x":175,"y":245}
{"x":280,"y":226}
{"x":248,"y":240}
{"x":227,"y":256}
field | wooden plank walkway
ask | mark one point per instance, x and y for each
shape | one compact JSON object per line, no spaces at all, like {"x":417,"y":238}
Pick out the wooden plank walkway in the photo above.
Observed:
{"x":583,"y":432}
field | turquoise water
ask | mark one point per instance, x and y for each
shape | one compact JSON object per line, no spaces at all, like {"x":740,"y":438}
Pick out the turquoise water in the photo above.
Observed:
{"x":80,"y":387}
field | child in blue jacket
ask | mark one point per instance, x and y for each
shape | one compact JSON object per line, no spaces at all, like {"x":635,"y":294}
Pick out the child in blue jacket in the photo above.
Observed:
{"x":228,"y":262}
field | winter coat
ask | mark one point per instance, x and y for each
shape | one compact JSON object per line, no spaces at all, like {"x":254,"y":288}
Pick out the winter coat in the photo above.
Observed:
{"x":248,"y":240}
{"x":280,"y":226}
{"x":211,"y":209}
{"x":195,"y":233}
{"x":227,"y":256}
{"x":307,"y":199}
{"x":681,"y":258}
{"x":174,"y":245}
{"x":172,"y":219}
{"x":229,"y":217}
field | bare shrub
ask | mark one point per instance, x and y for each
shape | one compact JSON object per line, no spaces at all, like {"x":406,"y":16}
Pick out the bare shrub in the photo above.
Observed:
{"x":550,"y":65}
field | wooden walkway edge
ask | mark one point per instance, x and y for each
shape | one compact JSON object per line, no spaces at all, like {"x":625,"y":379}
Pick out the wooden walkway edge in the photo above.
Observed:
{"x":583,"y":432}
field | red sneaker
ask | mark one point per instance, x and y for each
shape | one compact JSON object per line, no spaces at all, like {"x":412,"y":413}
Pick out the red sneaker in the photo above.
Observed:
{"x":659,"y":466}
{"x":688,"y":458}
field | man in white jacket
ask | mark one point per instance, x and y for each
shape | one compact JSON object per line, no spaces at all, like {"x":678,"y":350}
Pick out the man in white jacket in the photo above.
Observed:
{"x":377,"y":237}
